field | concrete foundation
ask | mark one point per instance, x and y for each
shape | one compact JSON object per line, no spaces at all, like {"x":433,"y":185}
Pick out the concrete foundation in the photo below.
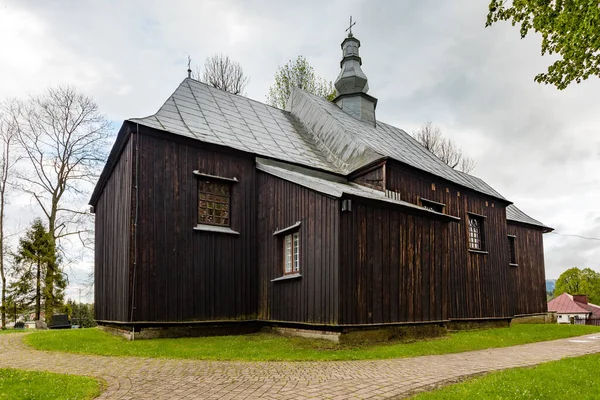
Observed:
{"x":179,"y":331}
{"x":547,"y":318}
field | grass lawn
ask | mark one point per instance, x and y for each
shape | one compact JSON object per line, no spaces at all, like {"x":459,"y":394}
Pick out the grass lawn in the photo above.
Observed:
{"x":570,"y":378}
{"x":32,"y":385}
{"x":262,"y":346}
{"x":11,"y":330}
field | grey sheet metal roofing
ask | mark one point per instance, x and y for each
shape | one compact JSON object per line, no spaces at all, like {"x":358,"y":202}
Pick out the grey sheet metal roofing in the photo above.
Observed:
{"x":312,"y":132}
{"x":516,"y":215}
{"x":211,"y":115}
{"x":332,"y":185}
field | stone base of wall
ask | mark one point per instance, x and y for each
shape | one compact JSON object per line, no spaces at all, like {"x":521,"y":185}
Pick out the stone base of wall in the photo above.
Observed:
{"x":178,"y":331}
{"x":306,"y":333}
{"x":475,"y":324}
{"x":403,"y":333}
{"x":546,"y":318}
{"x":345,"y":334}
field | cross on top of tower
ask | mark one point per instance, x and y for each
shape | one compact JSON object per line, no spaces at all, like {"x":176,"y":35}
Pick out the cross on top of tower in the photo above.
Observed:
{"x":349,"y":30}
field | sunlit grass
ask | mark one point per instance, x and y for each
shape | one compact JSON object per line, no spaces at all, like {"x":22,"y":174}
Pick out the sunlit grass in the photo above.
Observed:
{"x":33,"y":385}
{"x":568,"y":379}
{"x":264,"y":346}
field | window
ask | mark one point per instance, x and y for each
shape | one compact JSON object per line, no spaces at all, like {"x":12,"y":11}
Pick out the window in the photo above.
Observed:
{"x":432,"y":205}
{"x":512,"y":256}
{"x":291,"y":253}
{"x":476,"y":238}
{"x":213,"y":202}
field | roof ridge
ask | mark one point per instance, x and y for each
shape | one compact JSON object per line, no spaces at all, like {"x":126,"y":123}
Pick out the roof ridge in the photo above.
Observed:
{"x":212,"y":88}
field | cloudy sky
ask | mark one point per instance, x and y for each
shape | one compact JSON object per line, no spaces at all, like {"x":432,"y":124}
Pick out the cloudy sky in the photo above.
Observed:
{"x":426,"y":61}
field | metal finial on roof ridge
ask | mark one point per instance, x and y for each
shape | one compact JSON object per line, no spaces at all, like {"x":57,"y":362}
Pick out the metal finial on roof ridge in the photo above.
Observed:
{"x":189,"y":71}
{"x":349,"y":30}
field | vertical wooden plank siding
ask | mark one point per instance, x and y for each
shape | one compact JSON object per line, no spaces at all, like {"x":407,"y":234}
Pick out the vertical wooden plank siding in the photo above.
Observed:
{"x":373,"y":178}
{"x":478,"y":285}
{"x":384,"y":276}
{"x":184,"y":274}
{"x":528,"y":277}
{"x":112,"y":241}
{"x":313,"y":297}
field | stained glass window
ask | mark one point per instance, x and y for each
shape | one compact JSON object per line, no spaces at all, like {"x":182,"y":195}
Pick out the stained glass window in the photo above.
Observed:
{"x":213,"y":203}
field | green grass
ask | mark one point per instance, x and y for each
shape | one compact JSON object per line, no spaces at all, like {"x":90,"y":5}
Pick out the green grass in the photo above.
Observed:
{"x":571,"y":378}
{"x":33,"y":385}
{"x":263,"y":347}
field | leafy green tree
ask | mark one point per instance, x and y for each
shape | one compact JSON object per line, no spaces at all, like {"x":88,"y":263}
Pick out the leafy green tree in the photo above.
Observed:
{"x":35,"y":253}
{"x":80,"y":313}
{"x":577,"y":281}
{"x":300,"y":74}
{"x":569,"y":28}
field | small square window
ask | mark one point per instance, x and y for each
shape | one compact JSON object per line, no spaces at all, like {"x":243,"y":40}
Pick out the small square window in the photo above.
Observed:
{"x":291,"y":253}
{"x":476,"y":236}
{"x":214,"y":202}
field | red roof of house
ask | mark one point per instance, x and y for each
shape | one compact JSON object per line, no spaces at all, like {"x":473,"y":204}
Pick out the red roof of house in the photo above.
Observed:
{"x":565,"y":304}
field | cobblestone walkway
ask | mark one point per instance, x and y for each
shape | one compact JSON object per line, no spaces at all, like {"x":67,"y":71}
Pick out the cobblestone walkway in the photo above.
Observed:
{"x":144,"y":378}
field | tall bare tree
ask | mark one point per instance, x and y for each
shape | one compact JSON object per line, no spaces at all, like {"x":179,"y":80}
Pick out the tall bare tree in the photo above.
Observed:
{"x":65,"y":140}
{"x":8,"y":160}
{"x":223,"y":73}
{"x":430,"y":136}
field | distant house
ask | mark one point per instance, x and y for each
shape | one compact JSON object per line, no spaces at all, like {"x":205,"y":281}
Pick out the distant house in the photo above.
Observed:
{"x":568,"y":306}
{"x":219,"y":208}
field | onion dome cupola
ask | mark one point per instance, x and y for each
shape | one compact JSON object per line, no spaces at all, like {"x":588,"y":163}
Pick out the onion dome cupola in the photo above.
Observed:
{"x":352,"y":83}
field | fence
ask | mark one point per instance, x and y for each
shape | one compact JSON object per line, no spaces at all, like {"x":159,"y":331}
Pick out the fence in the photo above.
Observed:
{"x":587,"y":321}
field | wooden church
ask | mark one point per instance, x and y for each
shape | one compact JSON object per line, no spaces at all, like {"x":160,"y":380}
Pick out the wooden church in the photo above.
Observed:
{"x":221,"y":209}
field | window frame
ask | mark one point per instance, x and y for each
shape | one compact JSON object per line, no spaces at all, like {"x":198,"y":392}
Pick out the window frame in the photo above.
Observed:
{"x":203,"y":189}
{"x":512,"y":251}
{"x":207,"y":225}
{"x":432,"y":205}
{"x":481,"y":233}
{"x":282,"y":235}
{"x":294,"y":242}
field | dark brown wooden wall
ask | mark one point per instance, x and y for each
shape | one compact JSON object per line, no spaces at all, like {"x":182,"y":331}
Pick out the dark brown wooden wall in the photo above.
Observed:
{"x":529,"y":277}
{"x":183,"y":274}
{"x":113,"y":242}
{"x":393,"y":267}
{"x":478,"y":283}
{"x":313,"y":297}
{"x":373,"y":178}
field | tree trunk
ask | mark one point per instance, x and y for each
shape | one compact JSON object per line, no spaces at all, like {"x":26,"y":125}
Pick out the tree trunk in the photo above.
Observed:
{"x":2,"y":274}
{"x":5,"y":169}
{"x":51,"y":268}
{"x":38,"y":292}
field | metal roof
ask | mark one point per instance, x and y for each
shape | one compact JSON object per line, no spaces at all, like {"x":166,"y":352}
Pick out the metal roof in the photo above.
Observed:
{"x":201,"y":112}
{"x":516,"y":215}
{"x":566,"y":304}
{"x":332,"y":185}
{"x":313,"y":132}
{"x":319,"y":115}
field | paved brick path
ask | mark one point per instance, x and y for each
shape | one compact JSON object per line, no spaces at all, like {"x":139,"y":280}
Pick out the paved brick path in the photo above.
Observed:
{"x":142,"y":378}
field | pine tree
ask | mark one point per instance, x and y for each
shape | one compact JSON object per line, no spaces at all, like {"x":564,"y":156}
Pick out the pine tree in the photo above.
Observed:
{"x":34,"y":254}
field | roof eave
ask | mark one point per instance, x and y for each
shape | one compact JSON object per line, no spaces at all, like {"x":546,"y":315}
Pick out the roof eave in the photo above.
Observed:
{"x":120,"y":142}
